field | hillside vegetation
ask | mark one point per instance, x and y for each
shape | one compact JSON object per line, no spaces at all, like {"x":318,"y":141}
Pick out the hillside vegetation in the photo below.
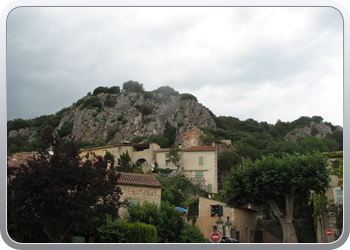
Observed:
{"x":111,"y":114}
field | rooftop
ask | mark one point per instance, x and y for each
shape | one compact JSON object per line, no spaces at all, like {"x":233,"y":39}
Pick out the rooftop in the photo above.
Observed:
{"x":142,"y":180}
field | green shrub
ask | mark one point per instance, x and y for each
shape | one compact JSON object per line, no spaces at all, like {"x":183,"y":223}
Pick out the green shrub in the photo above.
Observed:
{"x":110,"y":135}
{"x":124,"y":121}
{"x":187,"y":96}
{"x":112,"y":231}
{"x":91,"y":102}
{"x":110,"y":101}
{"x":191,"y":234}
{"x":66,"y":129}
{"x":145,"y":109}
{"x":140,"y":233}
{"x":99,"y":90}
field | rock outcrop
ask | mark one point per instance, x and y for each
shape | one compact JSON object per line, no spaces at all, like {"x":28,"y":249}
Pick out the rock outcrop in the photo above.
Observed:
{"x":132,"y":115}
{"x":319,"y":130}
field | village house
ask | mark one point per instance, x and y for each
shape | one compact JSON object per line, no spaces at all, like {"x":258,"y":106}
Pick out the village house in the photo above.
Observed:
{"x":138,"y":188}
{"x":237,"y":223}
{"x":143,"y":153}
{"x":198,"y":163}
{"x":329,"y":217}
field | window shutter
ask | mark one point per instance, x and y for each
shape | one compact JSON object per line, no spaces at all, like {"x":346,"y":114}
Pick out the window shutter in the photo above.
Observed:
{"x":199,"y":174}
{"x":339,"y":196}
{"x":201,"y":160}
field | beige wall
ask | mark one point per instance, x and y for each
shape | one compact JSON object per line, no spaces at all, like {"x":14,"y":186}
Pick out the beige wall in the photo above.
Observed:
{"x":209,"y":167}
{"x":190,"y":163}
{"x":135,"y":155}
{"x":141,"y":194}
{"x":239,"y":217}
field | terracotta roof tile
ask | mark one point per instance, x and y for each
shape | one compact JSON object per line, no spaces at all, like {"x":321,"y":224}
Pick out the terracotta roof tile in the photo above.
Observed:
{"x":138,"y":180}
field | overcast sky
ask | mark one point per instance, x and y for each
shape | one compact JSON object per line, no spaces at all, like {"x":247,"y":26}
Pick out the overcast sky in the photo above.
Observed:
{"x":263,"y":63}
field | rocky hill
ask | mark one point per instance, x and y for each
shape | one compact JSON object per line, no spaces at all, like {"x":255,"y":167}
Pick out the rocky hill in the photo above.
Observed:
{"x":123,"y":116}
{"x":109,"y":115}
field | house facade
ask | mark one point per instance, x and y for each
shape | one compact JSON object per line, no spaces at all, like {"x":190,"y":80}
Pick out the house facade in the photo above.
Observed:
{"x":138,"y":188}
{"x":143,"y":153}
{"x":237,"y":223}
{"x":330,"y":217}
{"x":198,"y":163}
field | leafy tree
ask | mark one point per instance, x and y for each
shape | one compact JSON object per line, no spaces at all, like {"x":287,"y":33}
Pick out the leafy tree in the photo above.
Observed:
{"x":228,"y":159}
{"x":114,"y":90}
{"x":160,"y":139}
{"x":311,"y":143}
{"x":66,"y":129}
{"x":99,"y":90}
{"x":132,"y":86}
{"x":317,"y":119}
{"x":187,"y":96}
{"x":277,"y":182}
{"x":61,"y":193}
{"x":125,"y":165}
{"x":166,"y":91}
{"x":338,"y":136}
{"x":170,"y":132}
{"x":109,"y":157}
{"x":191,"y":234}
{"x":177,"y":190}
{"x":175,"y":156}
{"x":165,"y":218}
{"x":278,"y":148}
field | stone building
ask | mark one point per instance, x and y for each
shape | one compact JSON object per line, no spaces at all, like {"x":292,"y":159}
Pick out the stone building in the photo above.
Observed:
{"x":143,"y":153}
{"x":138,"y":188}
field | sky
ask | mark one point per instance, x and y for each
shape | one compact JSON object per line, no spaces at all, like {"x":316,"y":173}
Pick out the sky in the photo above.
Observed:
{"x":264,"y":63}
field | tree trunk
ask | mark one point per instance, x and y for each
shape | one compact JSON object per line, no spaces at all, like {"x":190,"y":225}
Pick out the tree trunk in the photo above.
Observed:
{"x":289,"y":235}
{"x":286,"y":220}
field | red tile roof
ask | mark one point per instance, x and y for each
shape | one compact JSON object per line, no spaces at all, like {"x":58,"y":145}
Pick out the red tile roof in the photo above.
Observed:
{"x":16,"y":159}
{"x":194,"y":148}
{"x":142,"y":180}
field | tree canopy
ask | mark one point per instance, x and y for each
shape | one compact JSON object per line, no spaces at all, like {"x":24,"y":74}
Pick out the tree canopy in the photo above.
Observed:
{"x":59,"y":193}
{"x":277,"y":182}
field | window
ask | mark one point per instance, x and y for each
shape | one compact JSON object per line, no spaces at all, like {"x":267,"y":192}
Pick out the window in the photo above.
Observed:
{"x":167,"y":162}
{"x":199,"y":174}
{"x":335,"y":164}
{"x":338,"y":196}
{"x":210,"y":188}
{"x":201,"y":160}
{"x":131,"y":201}
{"x":216,"y":210}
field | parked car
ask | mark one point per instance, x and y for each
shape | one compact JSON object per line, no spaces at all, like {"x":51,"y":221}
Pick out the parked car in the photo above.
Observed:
{"x":226,"y":239}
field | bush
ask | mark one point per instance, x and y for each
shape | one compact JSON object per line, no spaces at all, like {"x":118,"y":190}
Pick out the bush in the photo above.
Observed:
{"x":99,"y":90}
{"x":140,"y":233}
{"x":191,"y":234}
{"x":145,"y":109}
{"x":110,"y":101}
{"x":119,"y":231}
{"x":110,"y":135}
{"x":114,"y":90}
{"x":91,"y":102}
{"x":124,"y":121}
{"x":66,"y":129}
{"x":187,"y":96}
{"x":112,"y":231}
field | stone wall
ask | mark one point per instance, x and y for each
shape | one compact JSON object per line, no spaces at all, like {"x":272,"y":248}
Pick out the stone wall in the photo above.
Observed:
{"x":141,"y":194}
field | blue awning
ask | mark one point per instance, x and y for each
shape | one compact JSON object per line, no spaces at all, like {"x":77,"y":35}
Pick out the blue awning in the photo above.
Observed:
{"x":182,"y":210}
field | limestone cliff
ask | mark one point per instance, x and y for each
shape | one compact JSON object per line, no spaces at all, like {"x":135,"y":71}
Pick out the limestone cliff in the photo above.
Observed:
{"x":134,"y":115}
